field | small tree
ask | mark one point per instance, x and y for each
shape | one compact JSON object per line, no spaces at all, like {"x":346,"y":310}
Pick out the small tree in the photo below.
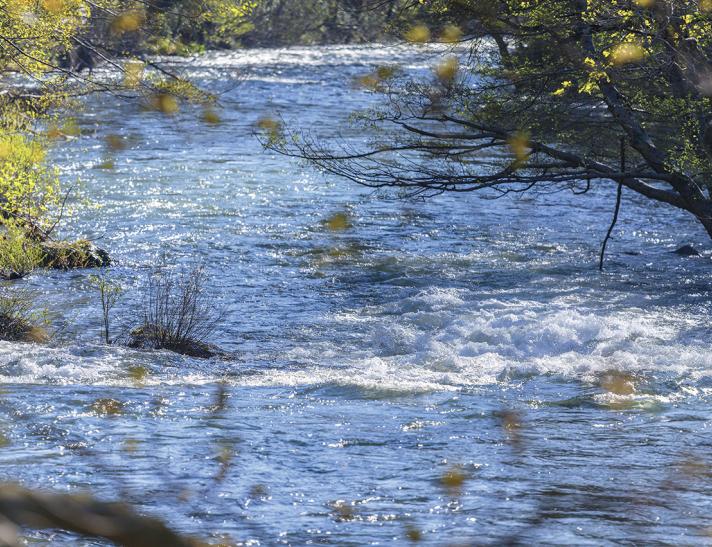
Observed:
{"x":542,"y":100}
{"x":109,"y":292}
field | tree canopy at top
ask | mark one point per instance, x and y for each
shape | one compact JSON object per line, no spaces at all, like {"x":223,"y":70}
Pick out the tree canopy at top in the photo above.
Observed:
{"x":542,"y":98}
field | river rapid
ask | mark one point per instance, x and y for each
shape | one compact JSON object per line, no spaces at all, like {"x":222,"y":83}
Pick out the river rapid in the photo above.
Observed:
{"x":455,"y":369}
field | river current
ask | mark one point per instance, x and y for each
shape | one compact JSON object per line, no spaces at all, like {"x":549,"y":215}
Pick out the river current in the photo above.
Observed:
{"x":454,"y":370}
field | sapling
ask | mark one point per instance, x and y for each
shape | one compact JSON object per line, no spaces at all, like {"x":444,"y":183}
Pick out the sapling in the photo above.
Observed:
{"x":109,"y":292}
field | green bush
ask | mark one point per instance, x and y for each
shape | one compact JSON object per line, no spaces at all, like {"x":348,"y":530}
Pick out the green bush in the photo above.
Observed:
{"x":19,"y":319}
{"x":19,"y":254}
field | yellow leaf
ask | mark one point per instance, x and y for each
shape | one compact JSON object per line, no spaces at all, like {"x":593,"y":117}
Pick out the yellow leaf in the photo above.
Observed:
{"x":451,"y":34}
{"x":138,"y":373}
{"x":369,"y":81}
{"x":165,"y":102}
{"x":211,"y":117}
{"x":453,"y":480}
{"x":115,"y":142}
{"x":129,"y":21}
{"x":627,"y":52}
{"x":107,"y":165}
{"x":418,"y":34}
{"x":53,"y":6}
{"x":519,"y":144}
{"x":338,"y":222}
{"x":447,"y":70}
{"x":107,"y":407}
{"x":618,"y":383}
{"x":5,"y":150}
{"x":133,"y":73}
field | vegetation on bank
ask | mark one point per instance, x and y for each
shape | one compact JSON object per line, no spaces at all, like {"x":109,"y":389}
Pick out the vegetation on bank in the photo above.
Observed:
{"x":52,"y":46}
{"x":308,"y":22}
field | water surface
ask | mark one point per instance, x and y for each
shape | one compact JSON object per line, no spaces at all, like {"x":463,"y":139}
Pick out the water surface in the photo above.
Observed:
{"x":454,"y":335}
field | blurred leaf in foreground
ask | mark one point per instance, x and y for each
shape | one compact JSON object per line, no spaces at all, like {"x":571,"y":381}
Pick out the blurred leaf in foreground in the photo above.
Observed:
{"x":519,"y":145}
{"x":453,"y":480}
{"x":129,"y":21}
{"x":115,"y":142}
{"x":338,"y":222}
{"x":107,"y":407}
{"x":618,"y":383}
{"x":447,"y":70}
{"x":211,"y":117}
{"x":451,"y":34}
{"x":133,"y":73}
{"x":165,"y":103}
{"x":419,"y":34}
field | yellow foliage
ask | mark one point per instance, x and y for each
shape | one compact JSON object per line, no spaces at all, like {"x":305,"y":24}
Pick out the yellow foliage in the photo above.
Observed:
{"x":35,"y":30}
{"x":418,"y":34}
{"x":627,"y":52}
{"x":447,"y":70}
{"x":519,"y":144}
{"x":564,"y":86}
{"x":28,"y":187}
{"x":338,"y":222}
{"x":19,"y":254}
{"x":451,"y":34}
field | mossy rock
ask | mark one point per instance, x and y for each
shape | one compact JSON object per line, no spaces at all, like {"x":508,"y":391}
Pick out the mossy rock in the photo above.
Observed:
{"x":66,"y":255}
{"x":10,"y":275}
{"x":13,"y":329}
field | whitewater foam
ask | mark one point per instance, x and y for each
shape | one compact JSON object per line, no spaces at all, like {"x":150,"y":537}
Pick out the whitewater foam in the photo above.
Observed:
{"x":435,"y":339}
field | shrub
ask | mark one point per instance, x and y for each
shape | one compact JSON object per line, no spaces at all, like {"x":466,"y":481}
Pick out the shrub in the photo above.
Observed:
{"x":29,"y":188}
{"x":19,"y":254}
{"x":19,"y":320}
{"x":178,"y":315}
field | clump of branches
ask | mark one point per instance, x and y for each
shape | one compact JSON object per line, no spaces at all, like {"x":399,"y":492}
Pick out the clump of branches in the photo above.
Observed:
{"x":19,"y":319}
{"x":178,"y":315}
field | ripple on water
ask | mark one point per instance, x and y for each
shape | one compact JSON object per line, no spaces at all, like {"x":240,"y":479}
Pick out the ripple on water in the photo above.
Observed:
{"x":454,"y":337}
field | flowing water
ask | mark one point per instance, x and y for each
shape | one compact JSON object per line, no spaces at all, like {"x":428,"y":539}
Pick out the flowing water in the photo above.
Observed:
{"x":455,"y":369}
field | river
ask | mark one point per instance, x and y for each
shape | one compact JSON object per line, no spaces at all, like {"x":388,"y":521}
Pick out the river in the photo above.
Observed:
{"x":455,"y":369}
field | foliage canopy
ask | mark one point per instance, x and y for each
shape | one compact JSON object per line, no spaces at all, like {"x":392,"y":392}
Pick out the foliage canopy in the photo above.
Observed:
{"x":539,"y":94}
